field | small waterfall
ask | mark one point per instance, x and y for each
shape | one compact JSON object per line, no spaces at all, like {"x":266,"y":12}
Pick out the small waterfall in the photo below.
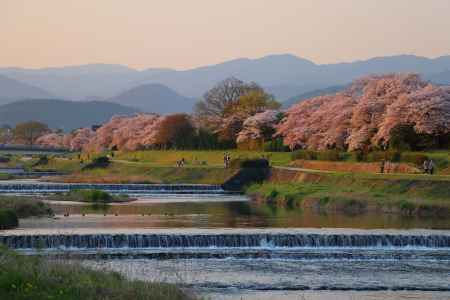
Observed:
{"x":6,"y":187}
{"x":236,"y":241}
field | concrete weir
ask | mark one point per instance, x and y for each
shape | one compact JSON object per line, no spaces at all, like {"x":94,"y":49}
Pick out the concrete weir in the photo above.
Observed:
{"x":44,"y":187}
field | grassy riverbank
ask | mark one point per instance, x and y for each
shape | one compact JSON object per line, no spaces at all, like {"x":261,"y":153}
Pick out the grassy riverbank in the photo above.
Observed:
{"x":405,"y":194}
{"x":24,"y":277}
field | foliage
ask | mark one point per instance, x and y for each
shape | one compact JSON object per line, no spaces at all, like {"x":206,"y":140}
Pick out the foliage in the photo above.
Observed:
{"x":25,"y":277}
{"x":29,"y":132}
{"x":259,"y":126}
{"x":255,"y":163}
{"x":363,"y":116}
{"x":98,"y":162}
{"x":175,"y":131}
{"x":275,"y":145}
{"x":8,"y":219}
{"x":25,"y":207}
{"x":222,"y":97}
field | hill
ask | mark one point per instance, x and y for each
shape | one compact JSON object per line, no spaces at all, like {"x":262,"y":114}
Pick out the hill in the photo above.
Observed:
{"x":305,"y":96}
{"x":60,"y":114}
{"x":155,"y":98}
{"x":11,"y":90}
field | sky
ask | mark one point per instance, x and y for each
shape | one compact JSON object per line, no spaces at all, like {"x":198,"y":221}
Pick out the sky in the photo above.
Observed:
{"x":184,"y":34}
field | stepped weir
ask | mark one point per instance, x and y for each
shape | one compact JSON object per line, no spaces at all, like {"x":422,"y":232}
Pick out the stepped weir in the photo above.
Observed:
{"x":37,"y":187}
{"x":224,"y":240}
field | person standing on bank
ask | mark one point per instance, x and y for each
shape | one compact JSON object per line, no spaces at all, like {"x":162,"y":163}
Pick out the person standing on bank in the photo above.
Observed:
{"x":425,"y":166}
{"x":431,"y":167}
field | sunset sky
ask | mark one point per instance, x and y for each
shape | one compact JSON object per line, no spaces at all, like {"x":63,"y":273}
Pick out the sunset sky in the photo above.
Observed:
{"x":184,"y":34}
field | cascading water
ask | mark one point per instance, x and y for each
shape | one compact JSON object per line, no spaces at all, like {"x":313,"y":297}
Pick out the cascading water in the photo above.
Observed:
{"x":237,"y":241}
{"x":21,"y":187}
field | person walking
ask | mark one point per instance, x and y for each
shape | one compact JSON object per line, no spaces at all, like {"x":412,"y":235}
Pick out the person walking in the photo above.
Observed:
{"x":431,"y":167}
{"x":382,"y":165}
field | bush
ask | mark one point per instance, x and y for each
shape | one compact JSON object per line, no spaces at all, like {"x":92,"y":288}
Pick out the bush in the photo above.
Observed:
{"x":25,"y":208}
{"x":8,"y":219}
{"x":99,"y":162}
{"x":93,"y":196}
{"x":255,"y":163}
{"x":304,"y":154}
{"x":42,"y":161}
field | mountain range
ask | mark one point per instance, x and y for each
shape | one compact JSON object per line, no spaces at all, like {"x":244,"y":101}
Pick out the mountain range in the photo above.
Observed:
{"x":61,"y":114}
{"x":284,"y":75}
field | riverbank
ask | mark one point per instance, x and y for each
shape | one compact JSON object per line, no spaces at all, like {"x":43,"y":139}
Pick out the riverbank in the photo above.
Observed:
{"x":355,"y":193}
{"x":24,"y":277}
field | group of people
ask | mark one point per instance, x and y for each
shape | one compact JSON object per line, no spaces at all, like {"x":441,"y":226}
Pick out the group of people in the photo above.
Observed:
{"x":181,"y":162}
{"x":226,"y":160}
{"x":428,"y":166}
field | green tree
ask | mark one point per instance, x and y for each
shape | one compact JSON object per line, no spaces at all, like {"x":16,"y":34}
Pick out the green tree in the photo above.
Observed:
{"x":28,"y":132}
{"x":251,"y":103}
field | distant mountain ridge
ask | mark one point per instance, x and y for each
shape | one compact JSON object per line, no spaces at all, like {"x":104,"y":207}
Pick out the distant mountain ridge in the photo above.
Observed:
{"x":283,"y":75}
{"x":154,"y":97}
{"x":11,"y":90}
{"x":60,"y":114}
{"x":316,"y":93}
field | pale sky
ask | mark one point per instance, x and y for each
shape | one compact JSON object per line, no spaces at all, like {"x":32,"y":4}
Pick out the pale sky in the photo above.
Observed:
{"x":183,"y":34}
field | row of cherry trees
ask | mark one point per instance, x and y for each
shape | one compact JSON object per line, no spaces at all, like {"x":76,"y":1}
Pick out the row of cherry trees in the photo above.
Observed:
{"x":364,"y":115}
{"x":370,"y":113}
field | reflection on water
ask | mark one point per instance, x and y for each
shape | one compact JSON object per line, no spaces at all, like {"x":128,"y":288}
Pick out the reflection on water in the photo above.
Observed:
{"x":237,"y":278}
{"x":217,"y":214}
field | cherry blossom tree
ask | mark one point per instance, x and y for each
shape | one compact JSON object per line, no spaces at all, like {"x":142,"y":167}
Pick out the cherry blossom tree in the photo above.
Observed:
{"x":363,"y":115}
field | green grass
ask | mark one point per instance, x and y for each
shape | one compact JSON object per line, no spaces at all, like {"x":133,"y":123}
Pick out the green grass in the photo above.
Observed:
{"x":350,"y":191}
{"x":25,"y":277}
{"x":212,"y":158}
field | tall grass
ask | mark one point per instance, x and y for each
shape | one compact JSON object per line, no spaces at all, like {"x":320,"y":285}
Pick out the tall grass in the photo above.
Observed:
{"x":24,"y":277}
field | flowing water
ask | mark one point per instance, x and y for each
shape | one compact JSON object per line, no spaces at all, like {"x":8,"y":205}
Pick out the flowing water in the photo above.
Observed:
{"x":223,"y":246}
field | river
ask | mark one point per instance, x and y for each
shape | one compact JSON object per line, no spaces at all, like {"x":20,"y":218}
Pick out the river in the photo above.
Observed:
{"x":223,"y":246}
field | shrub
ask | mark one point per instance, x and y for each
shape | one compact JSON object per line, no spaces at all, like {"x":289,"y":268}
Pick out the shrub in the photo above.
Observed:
{"x":42,"y":161}
{"x":304,"y":154}
{"x":99,"y":162}
{"x":93,"y":196}
{"x":255,"y":163}
{"x":8,"y":219}
{"x":25,"y":208}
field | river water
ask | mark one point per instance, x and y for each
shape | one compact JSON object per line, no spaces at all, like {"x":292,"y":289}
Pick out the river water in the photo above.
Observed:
{"x":224,"y":247}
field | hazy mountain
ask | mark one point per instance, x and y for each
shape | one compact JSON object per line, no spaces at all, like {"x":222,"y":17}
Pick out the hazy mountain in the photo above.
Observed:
{"x":308,"y":95}
{"x":155,"y":98}
{"x":60,"y":114}
{"x":283,"y":75}
{"x":82,"y":82}
{"x":11,"y":90}
{"x":440,"y":78}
